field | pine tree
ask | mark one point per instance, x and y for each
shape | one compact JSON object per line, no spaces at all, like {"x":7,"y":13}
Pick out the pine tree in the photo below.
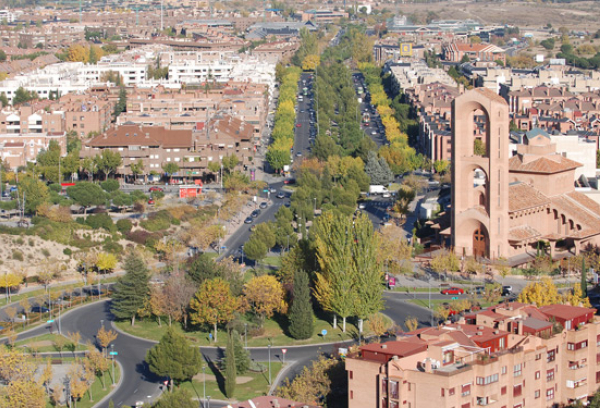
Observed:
{"x":230,"y":371}
{"x":174,"y":357}
{"x":301,"y":313}
{"x":242,"y":356}
{"x":132,"y":289}
{"x":373,"y":168}
{"x":583,"y":279}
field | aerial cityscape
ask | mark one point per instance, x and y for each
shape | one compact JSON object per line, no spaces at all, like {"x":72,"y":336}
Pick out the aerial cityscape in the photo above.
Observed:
{"x":269,"y":204}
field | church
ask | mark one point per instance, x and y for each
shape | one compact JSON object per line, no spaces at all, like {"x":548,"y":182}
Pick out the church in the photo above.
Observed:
{"x":502,"y":206}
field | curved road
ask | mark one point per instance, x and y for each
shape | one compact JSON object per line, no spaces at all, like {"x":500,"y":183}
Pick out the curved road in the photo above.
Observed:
{"x":138,"y":384}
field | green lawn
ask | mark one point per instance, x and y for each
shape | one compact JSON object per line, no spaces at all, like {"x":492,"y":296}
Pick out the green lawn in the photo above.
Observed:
{"x":46,"y":338}
{"x":257,"y":385}
{"x":435,"y":303}
{"x":97,"y":389}
{"x":272,"y":261}
{"x":274,"y":331}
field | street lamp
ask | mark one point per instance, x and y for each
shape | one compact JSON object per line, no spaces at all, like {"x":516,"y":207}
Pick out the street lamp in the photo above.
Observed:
{"x":246,"y":334}
{"x":112,"y":349}
{"x":204,"y":383}
{"x":269,"y":361}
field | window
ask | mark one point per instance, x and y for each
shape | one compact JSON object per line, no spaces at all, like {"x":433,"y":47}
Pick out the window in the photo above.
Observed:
{"x":451,"y":391}
{"x":518,"y":370}
{"x":466,"y":390}
{"x":538,"y":356}
{"x":537,"y":394}
{"x":443,"y":392}
{"x":467,"y":405}
{"x":351,"y":394}
{"x":487,"y":380}
{"x":394,"y":389}
{"x":482,"y":401}
{"x":550,"y":394}
{"x":537,"y":375}
{"x":550,"y":375}
{"x":597,"y":377}
{"x":517,"y":390}
{"x":384,"y":387}
{"x":503,"y":390}
{"x":551,"y":355}
{"x":504,"y":370}
{"x":350,"y":375}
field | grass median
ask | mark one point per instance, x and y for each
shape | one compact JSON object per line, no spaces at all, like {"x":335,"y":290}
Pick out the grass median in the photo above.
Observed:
{"x":275,"y":332}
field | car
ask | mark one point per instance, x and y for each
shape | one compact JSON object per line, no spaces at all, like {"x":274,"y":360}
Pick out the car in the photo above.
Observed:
{"x":507,"y":290}
{"x":280,"y":195}
{"x":374,"y":132}
{"x":39,"y":309}
{"x":453,"y":291}
{"x":249,"y":220}
{"x":289,"y":181}
{"x":153,"y":189}
{"x":366,"y":124}
{"x":273,"y":190}
{"x":385,"y":218}
{"x":255,"y":213}
{"x":151,"y":201}
{"x":362,"y":206}
{"x":298,"y":125}
{"x":263,"y":205}
{"x":299,"y":154}
{"x":386,"y":195}
{"x":479,"y":290}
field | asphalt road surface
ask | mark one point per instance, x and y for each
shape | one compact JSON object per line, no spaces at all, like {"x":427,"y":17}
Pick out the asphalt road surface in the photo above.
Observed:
{"x":373,"y":127}
{"x":304,"y":117}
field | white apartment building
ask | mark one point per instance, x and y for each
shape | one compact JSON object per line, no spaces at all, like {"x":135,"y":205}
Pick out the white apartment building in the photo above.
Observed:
{"x":131,"y":74}
{"x":7,"y":15}
{"x":409,"y":75}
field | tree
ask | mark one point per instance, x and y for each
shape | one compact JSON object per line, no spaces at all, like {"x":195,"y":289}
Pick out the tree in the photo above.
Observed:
{"x":35,"y":191}
{"x":444,"y":262}
{"x":411,"y":323}
{"x":265,"y":295}
{"x":4,"y":100}
{"x":242,"y":356}
{"x":310,"y":62}
{"x":8,"y":281}
{"x":170,"y":168}
{"x":174,"y":357}
{"x":106,"y":262}
{"x":121,"y":105}
{"x":2,"y":56}
{"x":131,"y":290}
{"x":180,"y":398}
{"x":576,"y":297}
{"x":583,"y":285}
{"x":87,"y":195}
{"x":108,"y":162}
{"x":301,"y":313}
{"x":105,"y":337}
{"x":313,"y":384}
{"x":74,"y":338}
{"x":441,"y":166}
{"x":230,"y":367}
{"x":213,"y":304}
{"x":255,"y":249}
{"x":59,"y":343}
{"x":137,"y":168}
{"x":541,"y":293}
{"x":22,"y":95}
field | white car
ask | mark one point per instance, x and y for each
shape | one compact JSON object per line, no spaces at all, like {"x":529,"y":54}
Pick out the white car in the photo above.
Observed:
{"x":386,"y":195}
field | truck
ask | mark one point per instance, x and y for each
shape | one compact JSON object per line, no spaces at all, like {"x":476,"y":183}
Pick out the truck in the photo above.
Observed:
{"x":378,"y":189}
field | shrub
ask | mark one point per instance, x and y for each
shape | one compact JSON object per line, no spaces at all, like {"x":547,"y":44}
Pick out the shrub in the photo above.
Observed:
{"x":17,"y":255}
{"x":31,"y":242}
{"x":112,"y":247}
{"x":19,"y":241}
{"x":124,"y":226}
{"x":55,"y":187}
{"x":175,"y":221}
{"x":67,"y":251}
{"x":158,"y":221}
{"x":45,"y":252}
{"x":102,"y":220}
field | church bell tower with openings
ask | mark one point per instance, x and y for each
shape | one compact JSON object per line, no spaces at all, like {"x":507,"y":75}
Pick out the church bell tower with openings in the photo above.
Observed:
{"x":480,"y":128}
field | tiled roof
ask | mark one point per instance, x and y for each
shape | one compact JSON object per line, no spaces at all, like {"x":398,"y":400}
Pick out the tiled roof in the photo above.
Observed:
{"x":523,"y":233}
{"x":400,"y":348}
{"x":584,"y":212}
{"x":566,"y":312}
{"x":542,"y":165}
{"x":135,"y":135}
{"x":522,"y":196}
{"x":490,"y":94}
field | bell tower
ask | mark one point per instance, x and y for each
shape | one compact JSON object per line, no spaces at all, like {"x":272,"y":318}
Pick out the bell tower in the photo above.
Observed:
{"x":480,"y":128}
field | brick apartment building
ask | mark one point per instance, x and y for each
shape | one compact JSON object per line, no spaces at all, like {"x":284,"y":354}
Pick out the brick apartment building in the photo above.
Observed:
{"x":16,"y":149}
{"x":455,"y":51}
{"x":30,"y":119}
{"x":86,"y":113}
{"x":191,"y":150}
{"x":511,"y":355}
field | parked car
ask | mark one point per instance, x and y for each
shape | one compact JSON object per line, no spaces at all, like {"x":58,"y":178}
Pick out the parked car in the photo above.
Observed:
{"x":273,"y":190}
{"x":151,"y":201}
{"x":249,"y":220}
{"x":263,"y":205}
{"x":39,"y":309}
{"x":255,"y":213}
{"x":280,"y":195}
{"x":289,"y":181}
{"x":152,"y":189}
{"x":507,"y":290}
{"x":479,"y":290}
{"x":298,"y":125}
{"x":453,"y":291}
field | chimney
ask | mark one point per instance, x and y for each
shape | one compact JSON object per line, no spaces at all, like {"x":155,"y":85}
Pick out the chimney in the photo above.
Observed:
{"x":384,"y":346}
{"x":520,"y":327}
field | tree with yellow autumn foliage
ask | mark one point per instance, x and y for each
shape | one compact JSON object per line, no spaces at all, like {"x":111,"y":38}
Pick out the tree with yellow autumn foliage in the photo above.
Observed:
{"x":265,"y":295}
{"x":541,"y":293}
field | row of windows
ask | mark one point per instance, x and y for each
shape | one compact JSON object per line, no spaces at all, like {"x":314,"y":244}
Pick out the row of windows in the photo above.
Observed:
{"x":487,"y":380}
{"x":577,"y":346}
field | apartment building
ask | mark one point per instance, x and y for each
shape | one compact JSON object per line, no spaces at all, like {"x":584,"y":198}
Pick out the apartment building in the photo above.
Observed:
{"x":85,"y":113}
{"x":323,"y":16}
{"x":455,"y":51}
{"x":30,"y":120}
{"x":411,"y":74}
{"x":277,"y":51}
{"x":17,"y":149}
{"x":191,"y":150}
{"x":511,"y":355}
